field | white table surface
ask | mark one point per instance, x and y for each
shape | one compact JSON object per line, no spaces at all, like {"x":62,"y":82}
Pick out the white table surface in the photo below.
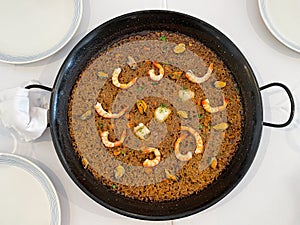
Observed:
{"x":270,"y":191}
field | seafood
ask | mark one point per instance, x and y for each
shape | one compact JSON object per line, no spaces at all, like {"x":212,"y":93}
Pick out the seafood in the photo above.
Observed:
{"x":109,"y":144}
{"x":142,"y":106}
{"x":208,"y":108}
{"x":115,"y":80}
{"x":102,"y":74}
{"x":119,"y":172}
{"x":183,"y":114}
{"x":141,"y":131}
{"x":178,"y":155}
{"x":171,"y":180}
{"x":152,"y":74}
{"x":193,"y":78}
{"x":221,"y":126}
{"x":161,"y":113}
{"x":152,"y":162}
{"x":180,"y":48}
{"x":185,"y":94}
{"x":219,"y":84}
{"x":99,"y":109}
{"x":199,"y":143}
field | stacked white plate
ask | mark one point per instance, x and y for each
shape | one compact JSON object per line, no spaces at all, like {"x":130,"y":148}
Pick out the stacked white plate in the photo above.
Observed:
{"x":32,"y":30}
{"x":282,"y":17}
{"x":27,"y":195}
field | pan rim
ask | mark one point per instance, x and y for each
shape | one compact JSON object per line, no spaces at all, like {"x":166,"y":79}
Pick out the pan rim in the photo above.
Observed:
{"x":57,"y":92}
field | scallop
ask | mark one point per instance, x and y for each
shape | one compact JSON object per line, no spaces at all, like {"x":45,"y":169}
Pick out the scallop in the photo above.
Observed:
{"x":119,"y":172}
{"x":183,"y":114}
{"x":180,"y":48}
{"x":186,"y":94}
{"x":221,"y":126}
{"x":219,"y":84}
{"x":162,"y":113}
{"x":141,"y":131}
{"x":102,"y":74}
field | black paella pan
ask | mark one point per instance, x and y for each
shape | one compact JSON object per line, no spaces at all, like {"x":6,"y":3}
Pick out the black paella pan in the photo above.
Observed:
{"x":123,"y":26}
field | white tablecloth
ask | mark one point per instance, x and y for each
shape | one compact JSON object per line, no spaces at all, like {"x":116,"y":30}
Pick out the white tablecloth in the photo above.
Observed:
{"x":270,"y":191}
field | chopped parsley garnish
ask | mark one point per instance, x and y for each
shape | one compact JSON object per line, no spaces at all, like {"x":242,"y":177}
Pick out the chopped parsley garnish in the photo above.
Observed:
{"x":140,"y":129}
{"x":163,"y":105}
{"x":114,"y":186}
{"x":200,"y":116}
{"x":163,"y":38}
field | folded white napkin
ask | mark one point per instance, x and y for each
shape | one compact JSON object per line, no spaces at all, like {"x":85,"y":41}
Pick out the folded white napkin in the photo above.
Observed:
{"x":24,"y":111}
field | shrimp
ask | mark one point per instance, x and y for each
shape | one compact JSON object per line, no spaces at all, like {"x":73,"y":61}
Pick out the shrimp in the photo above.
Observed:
{"x":208,"y":108}
{"x":109,"y":144}
{"x":115,"y":80}
{"x":152,"y":162}
{"x":99,"y":109}
{"x":199,"y":143}
{"x":152,"y":74}
{"x":193,"y":78}
{"x":178,"y":155}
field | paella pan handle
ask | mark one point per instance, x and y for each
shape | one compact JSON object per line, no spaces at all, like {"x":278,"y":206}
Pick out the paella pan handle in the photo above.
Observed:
{"x":39,"y":86}
{"x":291,"y":101}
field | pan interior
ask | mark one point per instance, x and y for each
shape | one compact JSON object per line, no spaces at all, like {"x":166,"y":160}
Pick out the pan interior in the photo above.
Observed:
{"x":98,"y":41}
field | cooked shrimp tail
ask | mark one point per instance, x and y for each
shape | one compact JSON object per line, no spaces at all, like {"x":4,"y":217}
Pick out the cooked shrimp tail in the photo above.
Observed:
{"x":115,"y":80}
{"x":208,"y":108}
{"x":198,"y":139}
{"x":99,"y":109}
{"x":152,"y":162}
{"x":109,"y":144}
{"x":193,"y":78}
{"x":152,"y":74}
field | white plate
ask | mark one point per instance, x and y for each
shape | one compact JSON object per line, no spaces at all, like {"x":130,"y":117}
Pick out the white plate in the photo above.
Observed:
{"x":27,"y":195}
{"x":32,"y":30}
{"x":282,"y":17}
